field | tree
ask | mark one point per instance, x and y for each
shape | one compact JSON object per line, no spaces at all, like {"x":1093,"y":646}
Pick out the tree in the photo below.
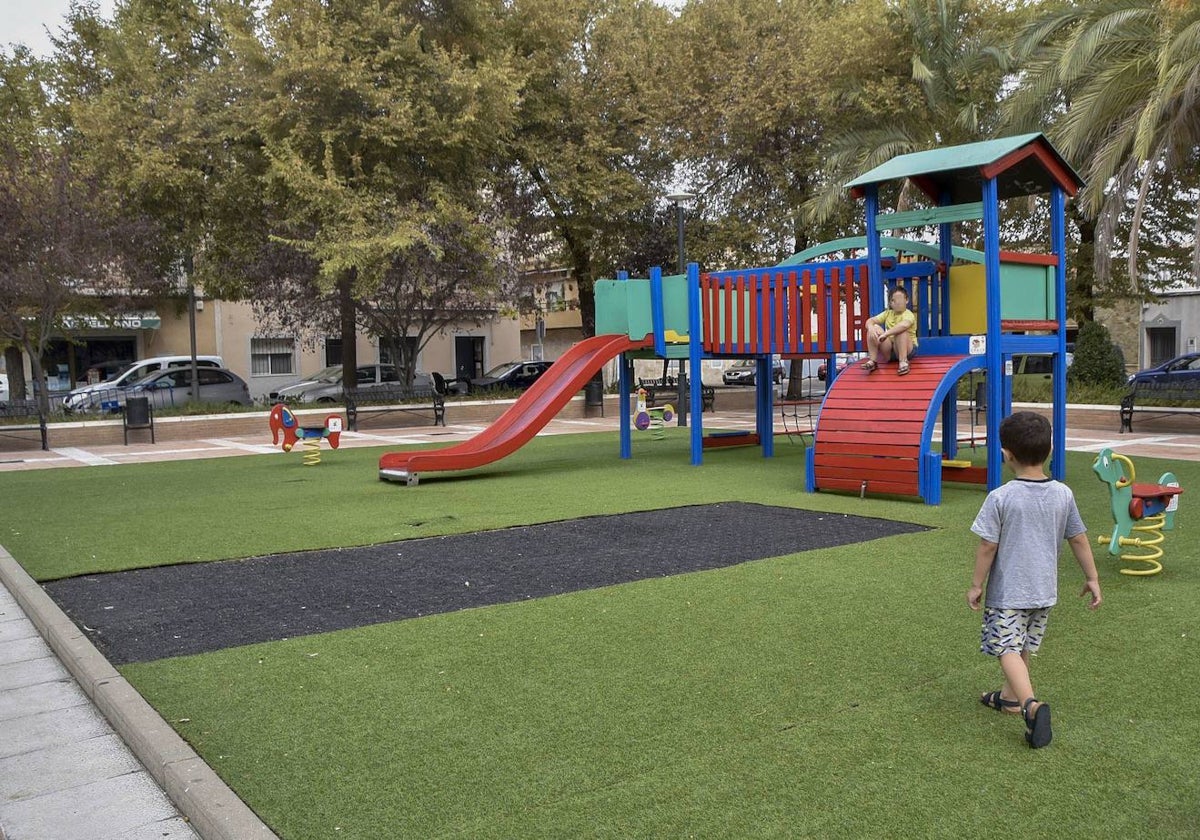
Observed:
{"x":150,"y":108}
{"x":1097,"y":360}
{"x":957,"y":60}
{"x":380,"y":126}
{"x":754,"y":97}
{"x":587,"y":161}
{"x":69,"y":247}
{"x":433,"y":286}
{"x":67,"y":250}
{"x":1120,"y":79}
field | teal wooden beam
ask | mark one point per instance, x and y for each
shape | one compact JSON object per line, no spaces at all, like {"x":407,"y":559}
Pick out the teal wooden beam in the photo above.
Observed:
{"x":930,"y":216}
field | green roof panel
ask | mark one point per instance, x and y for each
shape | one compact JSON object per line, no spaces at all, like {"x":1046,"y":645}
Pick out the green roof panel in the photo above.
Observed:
{"x":1026,"y":164}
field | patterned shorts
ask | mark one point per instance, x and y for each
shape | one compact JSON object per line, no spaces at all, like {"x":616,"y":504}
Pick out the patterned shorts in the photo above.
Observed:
{"x":1012,"y":631}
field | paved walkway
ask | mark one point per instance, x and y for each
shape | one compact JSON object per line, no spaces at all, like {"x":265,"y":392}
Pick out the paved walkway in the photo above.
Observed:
{"x":1172,"y":438}
{"x":64,"y":773}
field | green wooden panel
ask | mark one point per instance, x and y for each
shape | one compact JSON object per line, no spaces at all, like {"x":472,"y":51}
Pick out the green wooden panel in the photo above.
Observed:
{"x":1027,"y":292}
{"x":675,"y":303}
{"x":930,"y":216}
{"x":612,"y":308}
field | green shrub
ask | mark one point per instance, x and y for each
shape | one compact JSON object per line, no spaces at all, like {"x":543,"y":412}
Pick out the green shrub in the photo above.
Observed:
{"x":1097,"y":360}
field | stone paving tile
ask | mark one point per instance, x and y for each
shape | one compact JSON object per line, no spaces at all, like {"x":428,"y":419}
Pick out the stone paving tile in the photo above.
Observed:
{"x":100,"y":810}
{"x":61,"y":694}
{"x":11,"y":631}
{"x":66,"y":766}
{"x":52,"y":728}
{"x":176,"y":828}
{"x":32,"y":672}
{"x":21,"y":650}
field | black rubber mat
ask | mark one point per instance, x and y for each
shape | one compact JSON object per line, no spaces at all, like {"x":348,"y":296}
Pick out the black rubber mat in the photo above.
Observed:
{"x":147,"y":614}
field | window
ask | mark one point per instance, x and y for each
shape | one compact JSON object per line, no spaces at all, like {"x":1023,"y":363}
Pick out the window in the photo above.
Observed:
{"x":271,"y":356}
{"x":333,"y":352}
{"x":389,"y":350}
{"x":211,"y":376}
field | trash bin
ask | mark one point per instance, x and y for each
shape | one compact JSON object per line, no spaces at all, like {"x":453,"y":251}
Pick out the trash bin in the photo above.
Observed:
{"x":137,"y":412}
{"x":593,"y":393}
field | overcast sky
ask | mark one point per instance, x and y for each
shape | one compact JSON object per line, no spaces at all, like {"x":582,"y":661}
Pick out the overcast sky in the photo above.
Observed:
{"x":26,"y":21}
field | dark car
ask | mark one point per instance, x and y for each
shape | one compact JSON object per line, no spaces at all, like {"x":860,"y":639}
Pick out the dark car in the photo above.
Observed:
{"x":745,"y":371}
{"x":1179,"y":369}
{"x":516,"y":376}
{"x":843,"y":359}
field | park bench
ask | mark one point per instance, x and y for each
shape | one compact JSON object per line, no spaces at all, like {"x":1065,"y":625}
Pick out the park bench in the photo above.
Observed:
{"x":667,"y":390}
{"x":384,"y":399}
{"x":22,"y":410}
{"x":1179,"y":390}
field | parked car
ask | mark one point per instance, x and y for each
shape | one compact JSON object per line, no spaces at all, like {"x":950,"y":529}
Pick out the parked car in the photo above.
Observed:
{"x":1178,"y":369}
{"x":106,"y":394}
{"x":745,"y":371}
{"x":3,"y":387}
{"x":174,"y":387}
{"x":104,"y":371}
{"x":843,"y":359}
{"x":325,"y":386}
{"x":511,"y":375}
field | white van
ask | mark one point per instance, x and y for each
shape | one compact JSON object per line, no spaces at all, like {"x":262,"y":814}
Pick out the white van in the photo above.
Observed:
{"x":104,"y":394}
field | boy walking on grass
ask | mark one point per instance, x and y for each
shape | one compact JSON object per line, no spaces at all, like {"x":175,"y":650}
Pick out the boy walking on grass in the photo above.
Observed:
{"x":1021,"y":526}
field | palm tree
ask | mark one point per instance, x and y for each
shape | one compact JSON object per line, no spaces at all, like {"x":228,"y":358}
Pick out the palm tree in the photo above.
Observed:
{"x":957,"y":66}
{"x":1121,"y":81}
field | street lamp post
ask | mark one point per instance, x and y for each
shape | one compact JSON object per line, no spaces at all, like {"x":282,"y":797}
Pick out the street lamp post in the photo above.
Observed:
{"x":682,"y":201}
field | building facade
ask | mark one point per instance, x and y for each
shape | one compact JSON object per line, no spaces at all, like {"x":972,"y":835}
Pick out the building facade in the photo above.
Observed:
{"x":264,"y":358}
{"x":1168,"y":328}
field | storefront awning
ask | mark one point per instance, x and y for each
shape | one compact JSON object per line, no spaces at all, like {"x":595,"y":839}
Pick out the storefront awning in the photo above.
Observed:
{"x":148,"y":320}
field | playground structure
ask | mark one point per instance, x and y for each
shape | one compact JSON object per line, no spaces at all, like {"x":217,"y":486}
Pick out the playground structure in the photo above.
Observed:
{"x":874,"y":433}
{"x":652,"y":418}
{"x":285,"y":424}
{"x":1148,"y":509}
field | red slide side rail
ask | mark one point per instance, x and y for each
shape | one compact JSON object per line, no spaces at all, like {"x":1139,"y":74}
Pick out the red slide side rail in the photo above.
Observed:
{"x":526,"y":417}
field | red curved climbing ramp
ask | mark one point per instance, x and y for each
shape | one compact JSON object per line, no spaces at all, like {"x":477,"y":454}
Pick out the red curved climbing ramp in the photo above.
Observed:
{"x":524,"y":419}
{"x":873,"y":427}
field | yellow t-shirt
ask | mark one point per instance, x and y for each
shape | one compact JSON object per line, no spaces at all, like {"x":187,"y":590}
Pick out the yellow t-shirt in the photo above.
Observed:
{"x":890,"y":318}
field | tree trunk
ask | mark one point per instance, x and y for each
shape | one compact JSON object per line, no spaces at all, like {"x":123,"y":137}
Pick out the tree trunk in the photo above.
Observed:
{"x":15,"y":365}
{"x":1081,"y":274}
{"x":346,"y":306}
{"x":43,"y":392}
{"x":581,"y":264}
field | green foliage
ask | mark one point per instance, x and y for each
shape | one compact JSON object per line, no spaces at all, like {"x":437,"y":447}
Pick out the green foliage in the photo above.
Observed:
{"x":1098,"y":361}
{"x":1118,"y":81}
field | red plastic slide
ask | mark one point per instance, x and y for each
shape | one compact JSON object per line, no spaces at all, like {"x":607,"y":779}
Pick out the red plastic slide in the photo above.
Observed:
{"x":517,"y":426}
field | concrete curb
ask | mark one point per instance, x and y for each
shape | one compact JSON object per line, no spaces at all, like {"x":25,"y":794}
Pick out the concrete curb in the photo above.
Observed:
{"x":214,"y":810}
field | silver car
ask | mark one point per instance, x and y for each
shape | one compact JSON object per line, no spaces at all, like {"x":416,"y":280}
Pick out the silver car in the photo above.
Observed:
{"x":174,"y":387}
{"x":325,"y":386}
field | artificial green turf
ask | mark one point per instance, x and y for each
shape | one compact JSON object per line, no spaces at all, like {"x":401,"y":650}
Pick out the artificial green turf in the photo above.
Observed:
{"x":830,"y":693}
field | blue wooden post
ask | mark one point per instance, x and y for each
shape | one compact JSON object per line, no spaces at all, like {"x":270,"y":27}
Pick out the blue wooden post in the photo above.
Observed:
{"x":624,"y":382}
{"x":695,"y":354}
{"x":764,"y":404}
{"x":1058,"y":235}
{"x":656,"y":312}
{"x":995,"y":356}
{"x":874,"y":266}
{"x":942,"y":280}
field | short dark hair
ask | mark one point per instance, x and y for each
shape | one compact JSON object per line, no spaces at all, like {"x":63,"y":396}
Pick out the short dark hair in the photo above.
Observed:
{"x":901,"y":290}
{"x":1027,"y":437}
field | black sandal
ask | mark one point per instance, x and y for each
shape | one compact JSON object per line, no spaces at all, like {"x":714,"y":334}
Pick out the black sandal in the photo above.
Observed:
{"x":1037,"y":731}
{"x":993,"y":700}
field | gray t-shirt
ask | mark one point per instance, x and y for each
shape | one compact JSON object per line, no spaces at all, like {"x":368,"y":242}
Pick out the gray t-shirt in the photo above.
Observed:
{"x":1029,"y":520}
